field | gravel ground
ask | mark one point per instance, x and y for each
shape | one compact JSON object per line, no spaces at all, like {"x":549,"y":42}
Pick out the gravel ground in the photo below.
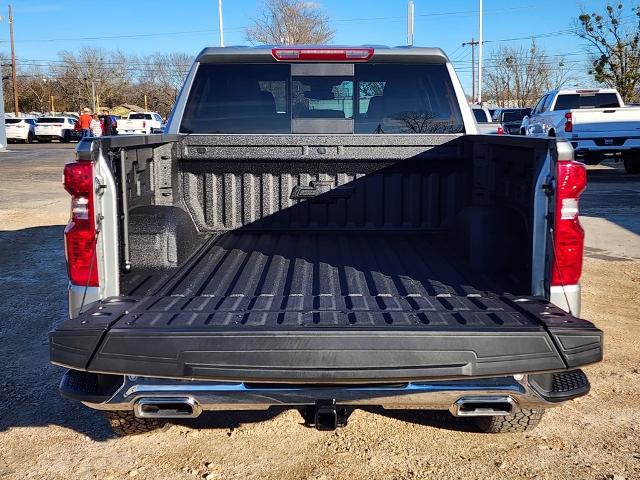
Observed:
{"x":45,"y":436}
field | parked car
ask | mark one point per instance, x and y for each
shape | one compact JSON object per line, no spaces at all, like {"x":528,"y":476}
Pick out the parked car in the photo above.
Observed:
{"x":282,"y":247}
{"x":55,"y":128}
{"x":595,"y":121}
{"x":140,"y":123}
{"x":511,"y":119}
{"x":485,"y":124}
{"x":482,"y":114}
{"x":20,"y":129}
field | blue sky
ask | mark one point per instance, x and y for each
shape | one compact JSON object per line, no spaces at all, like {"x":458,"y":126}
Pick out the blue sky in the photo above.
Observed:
{"x":44,"y":27}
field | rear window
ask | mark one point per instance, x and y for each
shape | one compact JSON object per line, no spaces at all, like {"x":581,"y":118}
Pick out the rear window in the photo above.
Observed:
{"x":480,"y":115}
{"x":10,"y":121}
{"x":514,"y":116}
{"x":376,"y":99}
{"x":587,"y":100}
{"x":51,"y":120}
{"x":139,"y":116}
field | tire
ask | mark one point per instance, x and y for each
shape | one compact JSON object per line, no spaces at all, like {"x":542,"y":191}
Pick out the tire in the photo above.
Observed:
{"x":522,"y":420}
{"x":125,"y":423}
{"x":632,"y":164}
{"x":66,"y":138}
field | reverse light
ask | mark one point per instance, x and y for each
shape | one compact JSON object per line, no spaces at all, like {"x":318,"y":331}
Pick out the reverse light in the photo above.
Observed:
{"x":568,"y":238}
{"x":568,"y":124}
{"x":80,"y":234}
{"x":323,"y":54}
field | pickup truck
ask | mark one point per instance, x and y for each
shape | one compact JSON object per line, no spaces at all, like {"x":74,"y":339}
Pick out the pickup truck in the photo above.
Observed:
{"x":141,"y":123}
{"x":595,"y":121}
{"x":322,"y":228}
{"x":511,"y":119}
{"x":486,"y":126}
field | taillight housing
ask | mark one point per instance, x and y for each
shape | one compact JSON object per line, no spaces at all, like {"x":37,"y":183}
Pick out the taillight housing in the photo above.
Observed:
{"x":500,"y":131}
{"x":568,"y":238}
{"x":144,"y":124}
{"x":568,"y":124}
{"x":80,"y":234}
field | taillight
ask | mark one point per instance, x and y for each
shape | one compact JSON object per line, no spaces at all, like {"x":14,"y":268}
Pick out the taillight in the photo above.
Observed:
{"x":568,"y":239}
{"x":500,"y":131}
{"x":80,"y":234}
{"x":322,"y":54}
{"x":568,"y":124}
{"x":144,"y":124}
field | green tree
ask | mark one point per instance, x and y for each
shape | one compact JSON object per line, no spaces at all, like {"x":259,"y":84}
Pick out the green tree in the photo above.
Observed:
{"x":614,"y":41}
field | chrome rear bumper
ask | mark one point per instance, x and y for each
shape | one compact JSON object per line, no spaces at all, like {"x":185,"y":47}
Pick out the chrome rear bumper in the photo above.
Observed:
{"x":207,"y":396}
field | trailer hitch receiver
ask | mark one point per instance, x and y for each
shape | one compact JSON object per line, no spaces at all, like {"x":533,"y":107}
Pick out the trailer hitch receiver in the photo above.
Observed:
{"x":325,"y":415}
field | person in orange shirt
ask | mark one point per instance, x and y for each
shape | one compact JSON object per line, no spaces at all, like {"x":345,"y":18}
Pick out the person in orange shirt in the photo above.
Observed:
{"x":85,"y":122}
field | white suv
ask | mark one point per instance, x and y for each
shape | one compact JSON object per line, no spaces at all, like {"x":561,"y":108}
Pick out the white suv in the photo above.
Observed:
{"x":55,"y":128}
{"x":20,"y":129}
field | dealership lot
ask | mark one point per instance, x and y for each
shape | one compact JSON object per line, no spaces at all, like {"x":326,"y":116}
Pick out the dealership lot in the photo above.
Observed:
{"x":45,"y":436}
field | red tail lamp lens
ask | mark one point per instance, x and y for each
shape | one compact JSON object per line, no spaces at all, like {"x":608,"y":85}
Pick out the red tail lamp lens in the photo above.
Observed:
{"x":80,"y":234}
{"x":568,"y":234}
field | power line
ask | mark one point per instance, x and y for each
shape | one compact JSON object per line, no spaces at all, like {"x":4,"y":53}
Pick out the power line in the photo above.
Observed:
{"x":209,"y":30}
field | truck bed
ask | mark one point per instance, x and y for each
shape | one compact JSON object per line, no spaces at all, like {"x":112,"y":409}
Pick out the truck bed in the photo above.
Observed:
{"x":323,"y":308}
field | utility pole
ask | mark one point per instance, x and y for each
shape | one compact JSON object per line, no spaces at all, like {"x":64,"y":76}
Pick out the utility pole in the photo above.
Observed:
{"x":220,"y":27}
{"x":473,"y":44}
{"x":410,"y":17}
{"x":93,"y":95}
{"x":480,"y":59}
{"x":3,"y":131}
{"x":14,"y":75}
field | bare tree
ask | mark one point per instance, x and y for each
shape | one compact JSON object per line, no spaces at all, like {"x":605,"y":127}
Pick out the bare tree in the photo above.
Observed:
{"x":116,"y":77}
{"x":290,"y":22}
{"x":160,"y":80}
{"x":517,"y":77}
{"x":615,"y":47}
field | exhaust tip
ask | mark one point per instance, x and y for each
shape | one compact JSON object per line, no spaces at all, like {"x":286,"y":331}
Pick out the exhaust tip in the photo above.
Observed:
{"x":483,"y":407}
{"x":166,"y":408}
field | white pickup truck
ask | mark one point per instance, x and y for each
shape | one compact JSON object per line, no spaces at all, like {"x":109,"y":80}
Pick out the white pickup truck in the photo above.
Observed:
{"x":595,"y":121}
{"x":143,"y":123}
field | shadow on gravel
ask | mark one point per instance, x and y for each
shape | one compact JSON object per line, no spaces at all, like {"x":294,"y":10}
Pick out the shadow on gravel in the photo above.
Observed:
{"x":33,"y":299}
{"x":228,"y":420}
{"x":428,"y":418}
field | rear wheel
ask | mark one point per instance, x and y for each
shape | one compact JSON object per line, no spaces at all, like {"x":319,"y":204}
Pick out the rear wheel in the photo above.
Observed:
{"x":521,"y":420}
{"x":632,"y":163}
{"x":126,"y":423}
{"x":66,"y":138}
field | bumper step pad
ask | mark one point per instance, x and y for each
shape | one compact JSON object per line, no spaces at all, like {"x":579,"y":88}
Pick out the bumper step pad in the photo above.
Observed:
{"x":519,"y":335}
